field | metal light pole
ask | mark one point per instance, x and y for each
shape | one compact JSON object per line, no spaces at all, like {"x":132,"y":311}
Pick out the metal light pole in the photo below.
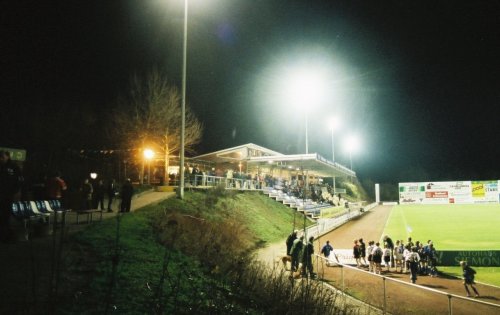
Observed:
{"x":333,"y":159}
{"x":350,"y":157}
{"x":180,"y":191}
{"x":148,"y":155}
{"x":307,"y":140}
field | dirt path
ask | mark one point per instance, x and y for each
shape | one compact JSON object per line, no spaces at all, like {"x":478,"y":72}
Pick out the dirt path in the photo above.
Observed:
{"x":369,"y":227}
{"x":402,"y":298}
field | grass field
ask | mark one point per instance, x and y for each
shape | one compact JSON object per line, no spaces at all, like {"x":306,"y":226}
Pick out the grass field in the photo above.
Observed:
{"x":450,"y":227}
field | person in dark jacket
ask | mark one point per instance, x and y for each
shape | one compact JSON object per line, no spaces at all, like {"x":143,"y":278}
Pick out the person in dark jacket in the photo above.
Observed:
{"x":296,"y":251}
{"x":126,"y":193}
{"x":99,"y":193}
{"x":468,"y":274}
{"x":307,"y":265}
{"x":10,"y":191}
{"x":289,"y":242}
{"x":87,"y":191}
{"x":111,"y":192}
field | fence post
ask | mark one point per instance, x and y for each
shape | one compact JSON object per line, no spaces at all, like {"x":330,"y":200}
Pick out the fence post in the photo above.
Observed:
{"x":450,"y":311}
{"x":385,"y":297}
{"x":342,"y":277}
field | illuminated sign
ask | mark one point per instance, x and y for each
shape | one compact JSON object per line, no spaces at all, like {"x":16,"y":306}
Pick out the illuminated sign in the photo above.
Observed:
{"x":16,"y":154}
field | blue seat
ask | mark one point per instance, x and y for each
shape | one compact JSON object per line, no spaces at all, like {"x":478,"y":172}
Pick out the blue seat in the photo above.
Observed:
{"x":42,"y":206}
{"x":26,"y":211}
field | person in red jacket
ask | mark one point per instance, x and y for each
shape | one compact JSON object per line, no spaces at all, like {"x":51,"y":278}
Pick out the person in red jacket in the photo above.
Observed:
{"x":55,"y":186}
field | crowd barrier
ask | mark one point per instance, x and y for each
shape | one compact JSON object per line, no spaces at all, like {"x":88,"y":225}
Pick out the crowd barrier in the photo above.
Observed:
{"x":383,"y":288}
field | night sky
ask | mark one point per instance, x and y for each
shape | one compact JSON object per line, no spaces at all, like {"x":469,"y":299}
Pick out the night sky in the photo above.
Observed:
{"x":417,"y":81}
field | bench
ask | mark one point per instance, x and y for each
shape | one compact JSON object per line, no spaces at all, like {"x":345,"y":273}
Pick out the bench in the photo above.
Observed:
{"x":28,"y":211}
{"x":89,"y":213}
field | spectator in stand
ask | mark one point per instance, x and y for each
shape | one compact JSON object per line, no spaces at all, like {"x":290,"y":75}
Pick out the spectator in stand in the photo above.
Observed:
{"x":194,"y":175}
{"x":87,"y":191}
{"x":111,"y":192}
{"x":126,"y":193}
{"x":468,"y":274}
{"x":362,"y":249}
{"x":55,"y":186}
{"x":371,"y":266}
{"x":356,"y":253}
{"x":289,"y":241}
{"x":413,"y":260}
{"x":10,"y":190}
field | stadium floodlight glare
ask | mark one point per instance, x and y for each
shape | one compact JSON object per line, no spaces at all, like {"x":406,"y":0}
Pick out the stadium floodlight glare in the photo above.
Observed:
{"x":334,"y":125}
{"x":352,"y":145}
{"x":305,"y":88}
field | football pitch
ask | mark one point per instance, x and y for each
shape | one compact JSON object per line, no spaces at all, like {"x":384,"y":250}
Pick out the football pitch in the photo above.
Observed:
{"x":450,"y":227}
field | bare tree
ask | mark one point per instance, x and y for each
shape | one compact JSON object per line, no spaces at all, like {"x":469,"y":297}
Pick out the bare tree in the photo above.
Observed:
{"x":150,"y":116}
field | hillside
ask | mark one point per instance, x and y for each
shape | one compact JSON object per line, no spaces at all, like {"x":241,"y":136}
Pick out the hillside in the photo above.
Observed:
{"x":179,"y":256}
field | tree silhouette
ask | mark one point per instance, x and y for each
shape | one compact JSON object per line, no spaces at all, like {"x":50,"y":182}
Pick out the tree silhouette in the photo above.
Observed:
{"x":150,"y":116}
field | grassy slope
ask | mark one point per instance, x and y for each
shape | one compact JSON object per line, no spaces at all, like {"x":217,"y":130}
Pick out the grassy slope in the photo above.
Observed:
{"x":90,"y":255}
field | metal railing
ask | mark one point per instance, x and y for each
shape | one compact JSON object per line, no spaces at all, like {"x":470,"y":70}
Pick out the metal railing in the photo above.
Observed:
{"x":452,"y":303}
{"x":229,"y":183}
{"x":326,"y":225}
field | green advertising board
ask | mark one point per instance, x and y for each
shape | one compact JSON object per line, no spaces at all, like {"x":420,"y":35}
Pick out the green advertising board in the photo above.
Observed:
{"x":16,"y":154}
{"x":482,"y":258}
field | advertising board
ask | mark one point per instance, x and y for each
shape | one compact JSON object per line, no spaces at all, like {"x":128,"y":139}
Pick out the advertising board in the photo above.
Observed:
{"x":459,"y":192}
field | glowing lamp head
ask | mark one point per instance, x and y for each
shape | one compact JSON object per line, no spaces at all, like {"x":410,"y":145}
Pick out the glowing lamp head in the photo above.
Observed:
{"x":148,"y":154}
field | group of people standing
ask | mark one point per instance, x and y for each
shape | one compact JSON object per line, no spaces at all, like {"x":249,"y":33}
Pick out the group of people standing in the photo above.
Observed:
{"x":93,"y":197}
{"x":414,"y":258}
{"x":301,"y":254}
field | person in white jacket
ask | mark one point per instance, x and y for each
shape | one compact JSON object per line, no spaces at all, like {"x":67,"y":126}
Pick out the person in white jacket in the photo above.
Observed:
{"x":406,"y":254}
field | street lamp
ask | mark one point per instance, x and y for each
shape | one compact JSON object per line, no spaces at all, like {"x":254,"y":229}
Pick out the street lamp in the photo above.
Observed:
{"x":148,"y":155}
{"x":183,"y":102}
{"x":334,"y":125}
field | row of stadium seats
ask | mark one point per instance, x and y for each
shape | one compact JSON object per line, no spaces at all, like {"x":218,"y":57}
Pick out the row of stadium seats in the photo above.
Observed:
{"x":39,"y":210}
{"x":307,"y":206}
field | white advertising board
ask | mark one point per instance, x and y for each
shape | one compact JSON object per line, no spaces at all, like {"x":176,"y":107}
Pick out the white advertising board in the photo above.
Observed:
{"x":411,"y":193}
{"x":459,"y":192}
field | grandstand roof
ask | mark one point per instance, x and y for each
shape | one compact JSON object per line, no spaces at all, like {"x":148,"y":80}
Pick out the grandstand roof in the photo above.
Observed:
{"x":257,"y":156}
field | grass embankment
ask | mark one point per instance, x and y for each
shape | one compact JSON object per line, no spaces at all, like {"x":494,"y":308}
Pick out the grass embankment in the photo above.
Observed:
{"x":180,"y":256}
